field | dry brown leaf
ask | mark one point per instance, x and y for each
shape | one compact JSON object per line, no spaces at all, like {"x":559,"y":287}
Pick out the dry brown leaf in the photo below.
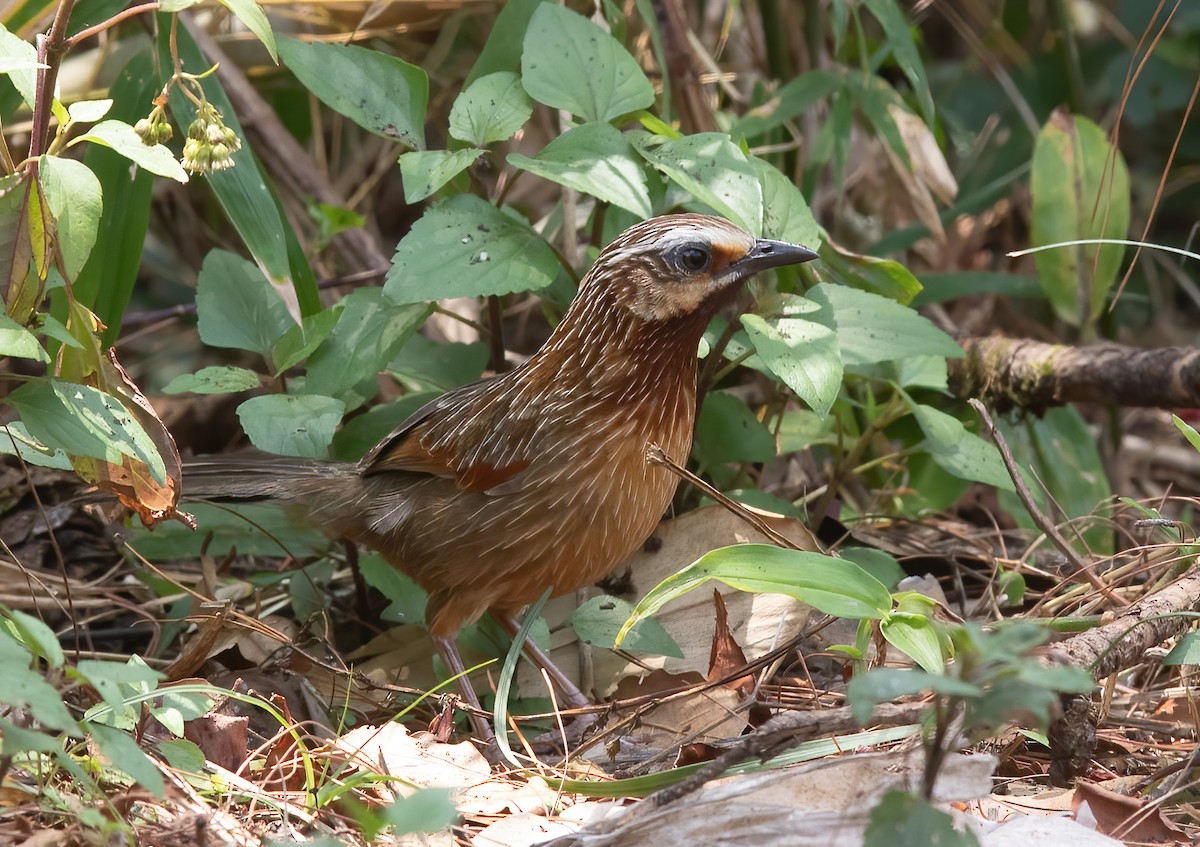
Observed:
{"x":1124,"y":817}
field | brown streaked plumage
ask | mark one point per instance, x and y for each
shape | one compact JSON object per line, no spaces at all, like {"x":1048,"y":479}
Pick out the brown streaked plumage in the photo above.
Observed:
{"x":537,"y":478}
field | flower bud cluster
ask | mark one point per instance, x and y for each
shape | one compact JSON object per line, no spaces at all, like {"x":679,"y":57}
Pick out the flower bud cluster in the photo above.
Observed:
{"x":154,"y":128}
{"x":210,"y":144}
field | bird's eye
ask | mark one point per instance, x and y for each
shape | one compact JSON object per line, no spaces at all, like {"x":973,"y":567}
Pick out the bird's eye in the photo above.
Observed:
{"x":692,"y":258}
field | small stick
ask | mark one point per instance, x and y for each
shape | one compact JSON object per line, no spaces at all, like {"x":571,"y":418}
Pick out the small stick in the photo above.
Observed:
{"x":656,"y":456}
{"x":1082,"y":568}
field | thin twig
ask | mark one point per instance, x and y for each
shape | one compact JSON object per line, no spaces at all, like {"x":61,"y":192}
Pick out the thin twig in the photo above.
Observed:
{"x":125,"y":14}
{"x":655,"y":455}
{"x":1082,"y":569}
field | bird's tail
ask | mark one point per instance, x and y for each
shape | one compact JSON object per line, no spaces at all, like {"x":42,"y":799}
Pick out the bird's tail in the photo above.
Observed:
{"x":264,"y":477}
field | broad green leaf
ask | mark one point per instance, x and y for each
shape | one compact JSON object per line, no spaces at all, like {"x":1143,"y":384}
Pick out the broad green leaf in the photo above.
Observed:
{"x":465,"y":247}
{"x":712,"y":169}
{"x":872,"y":329}
{"x":425,"y":365}
{"x":17,"y":341}
{"x":301,"y":339}
{"x":21,"y":58}
{"x":595,"y":159}
{"x":833,"y":586}
{"x":26,"y":689}
{"x":217,"y":379}
{"x":867,"y":691}
{"x":598,"y":621}
{"x":879,"y":276}
{"x":502,"y":50}
{"x":883,"y":566}
{"x":370,"y":331}
{"x":491,"y":109}
{"x":1185,"y":652}
{"x":237,"y":307}
{"x":1193,"y":437}
{"x":904,"y":50}
{"x":85,"y":422}
{"x":786,"y":215}
{"x":941,"y":287}
{"x":902,"y":818}
{"x":916,"y":637}
{"x":381,"y":93}
{"x":249,"y":13}
{"x":256,"y":529}
{"x":16,"y":440}
{"x":120,"y":749}
{"x":571,"y":63}
{"x":291,"y":425}
{"x":88,"y":111}
{"x":425,"y":171}
{"x":727,"y":431}
{"x":1064,"y":470}
{"x":106,"y":282}
{"x":120,"y":137}
{"x":790,"y":101}
{"x":803,"y":354}
{"x":1080,"y":188}
{"x":74,"y":196}
{"x":183,"y":755}
{"x":35,"y":635}
{"x":362,"y":432}
{"x":407,"y":600}
{"x":959,"y":452}
{"x":426,"y":810}
{"x":117,"y":681}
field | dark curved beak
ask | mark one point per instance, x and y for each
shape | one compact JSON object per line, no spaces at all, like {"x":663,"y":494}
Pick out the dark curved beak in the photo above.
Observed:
{"x":773,"y":254}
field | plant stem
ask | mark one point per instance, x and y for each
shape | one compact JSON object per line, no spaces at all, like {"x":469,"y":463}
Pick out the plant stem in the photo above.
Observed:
{"x":51,"y":49}
{"x":124,"y":14}
{"x":1068,"y":55}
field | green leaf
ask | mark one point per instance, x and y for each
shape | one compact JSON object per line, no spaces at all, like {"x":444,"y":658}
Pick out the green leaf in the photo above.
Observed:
{"x":502,"y":50}
{"x":256,"y":529}
{"x":369,"y":332}
{"x":904,"y":51}
{"x":945,"y":286}
{"x":491,"y":109}
{"x":16,"y":440}
{"x":465,"y":247}
{"x":1185,"y":652}
{"x":880,"y":276}
{"x":1183,"y":426}
{"x":106,"y":282}
{"x":1080,"y":188}
{"x":727,"y":431}
{"x":249,"y":13}
{"x":35,"y":635}
{"x":712,"y":169}
{"x":902,"y":818}
{"x":883,"y":566}
{"x":833,"y":586}
{"x":571,"y":63}
{"x":425,"y":171}
{"x":117,"y":681}
{"x":74,"y":196}
{"x":959,"y":452}
{"x":867,"y":691}
{"x":802,"y":353}
{"x":20,"y":58}
{"x":872,"y":329}
{"x":786,"y":215}
{"x":916,"y":637}
{"x":237,"y":306}
{"x":301,"y":339}
{"x":381,"y":93}
{"x":362,"y":432}
{"x":85,"y":422}
{"x":425,"y":365}
{"x":183,"y":755}
{"x":16,"y":340}
{"x":88,"y":111}
{"x":790,"y":101}
{"x":217,"y":379}
{"x":120,"y":749}
{"x":595,"y":159}
{"x":426,"y":810}
{"x":598,"y":621}
{"x":291,"y":425}
{"x":25,"y":688}
{"x":120,"y":137}
{"x":407,"y":599}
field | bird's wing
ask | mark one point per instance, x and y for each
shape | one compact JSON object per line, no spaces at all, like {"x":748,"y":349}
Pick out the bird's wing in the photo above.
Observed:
{"x":438,"y":438}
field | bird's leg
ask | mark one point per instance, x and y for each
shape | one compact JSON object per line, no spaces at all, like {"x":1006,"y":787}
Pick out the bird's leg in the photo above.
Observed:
{"x":573,"y":698}
{"x":448,"y":650}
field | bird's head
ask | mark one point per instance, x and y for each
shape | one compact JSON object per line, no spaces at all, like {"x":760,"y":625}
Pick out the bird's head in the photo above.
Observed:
{"x":682,"y":266}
